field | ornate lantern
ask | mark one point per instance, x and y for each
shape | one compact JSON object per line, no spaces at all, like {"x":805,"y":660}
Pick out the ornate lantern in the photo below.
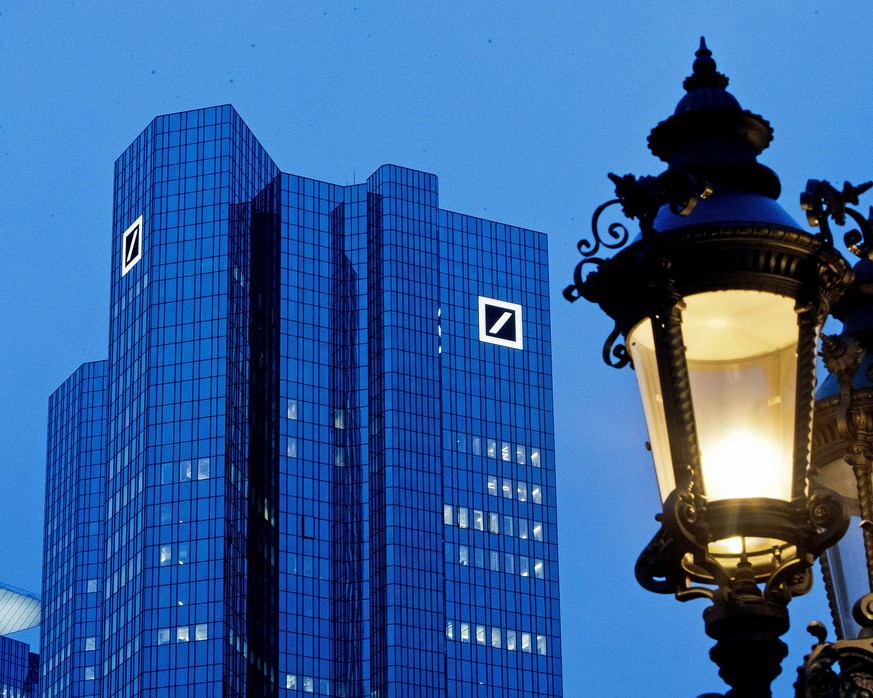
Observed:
{"x":719,"y":302}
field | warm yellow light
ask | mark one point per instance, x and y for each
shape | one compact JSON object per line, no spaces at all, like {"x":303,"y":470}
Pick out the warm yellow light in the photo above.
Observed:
{"x":744,"y":464}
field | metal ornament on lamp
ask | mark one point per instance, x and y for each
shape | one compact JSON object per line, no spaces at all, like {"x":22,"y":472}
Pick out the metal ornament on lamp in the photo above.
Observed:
{"x":719,"y":302}
{"x":842,"y":457}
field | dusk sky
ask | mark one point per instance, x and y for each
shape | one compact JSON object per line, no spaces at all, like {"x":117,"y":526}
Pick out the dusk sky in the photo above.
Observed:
{"x":520,"y":108}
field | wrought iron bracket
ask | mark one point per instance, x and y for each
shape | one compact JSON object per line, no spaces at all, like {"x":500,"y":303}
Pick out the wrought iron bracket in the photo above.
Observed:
{"x":823,"y":202}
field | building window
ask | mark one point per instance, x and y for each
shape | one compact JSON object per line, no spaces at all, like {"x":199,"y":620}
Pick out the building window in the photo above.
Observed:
{"x":507,"y":526}
{"x":183,"y":552}
{"x":203,"y":469}
{"x":536,"y":494}
{"x":465,"y":632}
{"x":535,"y":458}
{"x":308,"y":684}
{"x":291,"y":448}
{"x":89,"y":673}
{"x":90,"y":643}
{"x":185,"y":470}
{"x":479,"y":556}
{"x":524,"y":566}
{"x":510,"y":639}
{"x":507,"y":489}
{"x":182,"y":633}
{"x":477,"y":446}
{"x":494,"y":561}
{"x":448,"y":514}
{"x":493,"y":523}
{"x":291,"y":412}
{"x":450,"y":629}
{"x":463,"y":555}
{"x":201,"y":631}
{"x":478,"y":520}
{"x":166,"y":555}
{"x":480,"y":634}
{"x":525,"y":642}
{"x":505,"y":451}
{"x":538,"y":531}
{"x":519,"y":454}
{"x":509,"y":563}
{"x":492,"y":485}
{"x":522,"y":529}
{"x":492,"y":448}
{"x":163,"y":636}
{"x":539,"y":569}
{"x":91,"y":586}
{"x":496,"y":639}
{"x":339,"y":419}
{"x":521,"y":488}
{"x":463,"y":517}
{"x":291,"y":681}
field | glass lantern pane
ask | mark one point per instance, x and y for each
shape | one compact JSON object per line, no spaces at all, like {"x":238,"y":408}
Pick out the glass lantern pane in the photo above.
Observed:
{"x":641,"y":345}
{"x":741,"y":352}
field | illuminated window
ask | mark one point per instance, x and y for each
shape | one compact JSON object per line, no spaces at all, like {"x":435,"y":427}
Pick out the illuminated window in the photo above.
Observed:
{"x":291,"y":412}
{"x":463,"y":555}
{"x":163,"y":636}
{"x":505,"y":451}
{"x":91,"y":586}
{"x":509,"y":563}
{"x":291,"y":447}
{"x":536,"y":494}
{"x":339,"y":419}
{"x":491,"y":450}
{"x":492,"y":485}
{"x":448,"y":514}
{"x":166,"y":556}
{"x":493,"y":523}
{"x":507,"y":489}
{"x":291,"y":681}
{"x":522,"y":529}
{"x":538,"y":531}
{"x":510,"y":639}
{"x":519,"y":454}
{"x":535,"y":458}
{"x":203,"y":469}
{"x":496,"y":637}
{"x":465,"y":632}
{"x":525,"y":642}
{"x":308,"y":684}
{"x":450,"y":629}
{"x":524,"y":566}
{"x":477,"y":446}
{"x":186,"y":470}
{"x":494,"y":560}
{"x":521,"y":488}
{"x":463,"y":517}
{"x":539,"y":569}
{"x":201,"y":631}
{"x":90,"y":643}
{"x":89,"y":673}
{"x":480,"y":634}
{"x":182,"y":633}
{"x":478,"y":520}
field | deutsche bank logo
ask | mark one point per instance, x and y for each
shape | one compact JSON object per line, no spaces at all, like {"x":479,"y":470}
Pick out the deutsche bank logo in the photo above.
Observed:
{"x":500,"y":322}
{"x":131,"y":246}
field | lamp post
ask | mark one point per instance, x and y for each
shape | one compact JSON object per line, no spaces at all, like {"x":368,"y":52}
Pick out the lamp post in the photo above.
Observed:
{"x":842,"y":458}
{"x":717,"y":306}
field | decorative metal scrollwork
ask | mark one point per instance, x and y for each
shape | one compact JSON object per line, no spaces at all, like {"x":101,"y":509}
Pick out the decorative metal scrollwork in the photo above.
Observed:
{"x":617,"y":232}
{"x":615,"y":355}
{"x":824,"y":202}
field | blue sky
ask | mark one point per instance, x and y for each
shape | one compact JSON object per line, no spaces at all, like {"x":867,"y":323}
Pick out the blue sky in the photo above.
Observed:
{"x":520,"y":108}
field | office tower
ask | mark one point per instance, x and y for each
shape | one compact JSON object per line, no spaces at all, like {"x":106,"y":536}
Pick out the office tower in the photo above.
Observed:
{"x":328,"y":463}
{"x":19,"y":667}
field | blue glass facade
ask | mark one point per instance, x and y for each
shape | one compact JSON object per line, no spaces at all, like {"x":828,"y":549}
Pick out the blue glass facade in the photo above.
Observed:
{"x":328,"y":437}
{"x":19,"y":669}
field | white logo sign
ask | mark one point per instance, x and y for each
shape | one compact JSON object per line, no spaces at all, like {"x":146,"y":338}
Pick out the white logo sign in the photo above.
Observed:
{"x":500,"y":322}
{"x":131,"y":246}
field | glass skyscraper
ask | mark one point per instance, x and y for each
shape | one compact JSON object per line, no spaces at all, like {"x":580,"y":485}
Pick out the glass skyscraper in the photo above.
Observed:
{"x":319,"y":458}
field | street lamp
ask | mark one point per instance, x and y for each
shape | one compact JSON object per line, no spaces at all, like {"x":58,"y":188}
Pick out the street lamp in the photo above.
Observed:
{"x":719,"y":302}
{"x":842,"y":457}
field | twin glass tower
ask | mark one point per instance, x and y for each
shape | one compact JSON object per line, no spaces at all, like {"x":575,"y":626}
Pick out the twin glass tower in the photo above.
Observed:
{"x":319,"y":458}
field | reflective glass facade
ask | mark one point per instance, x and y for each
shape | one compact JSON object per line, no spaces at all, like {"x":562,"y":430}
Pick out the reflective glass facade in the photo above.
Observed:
{"x":329,"y":462}
{"x":19,"y":669}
